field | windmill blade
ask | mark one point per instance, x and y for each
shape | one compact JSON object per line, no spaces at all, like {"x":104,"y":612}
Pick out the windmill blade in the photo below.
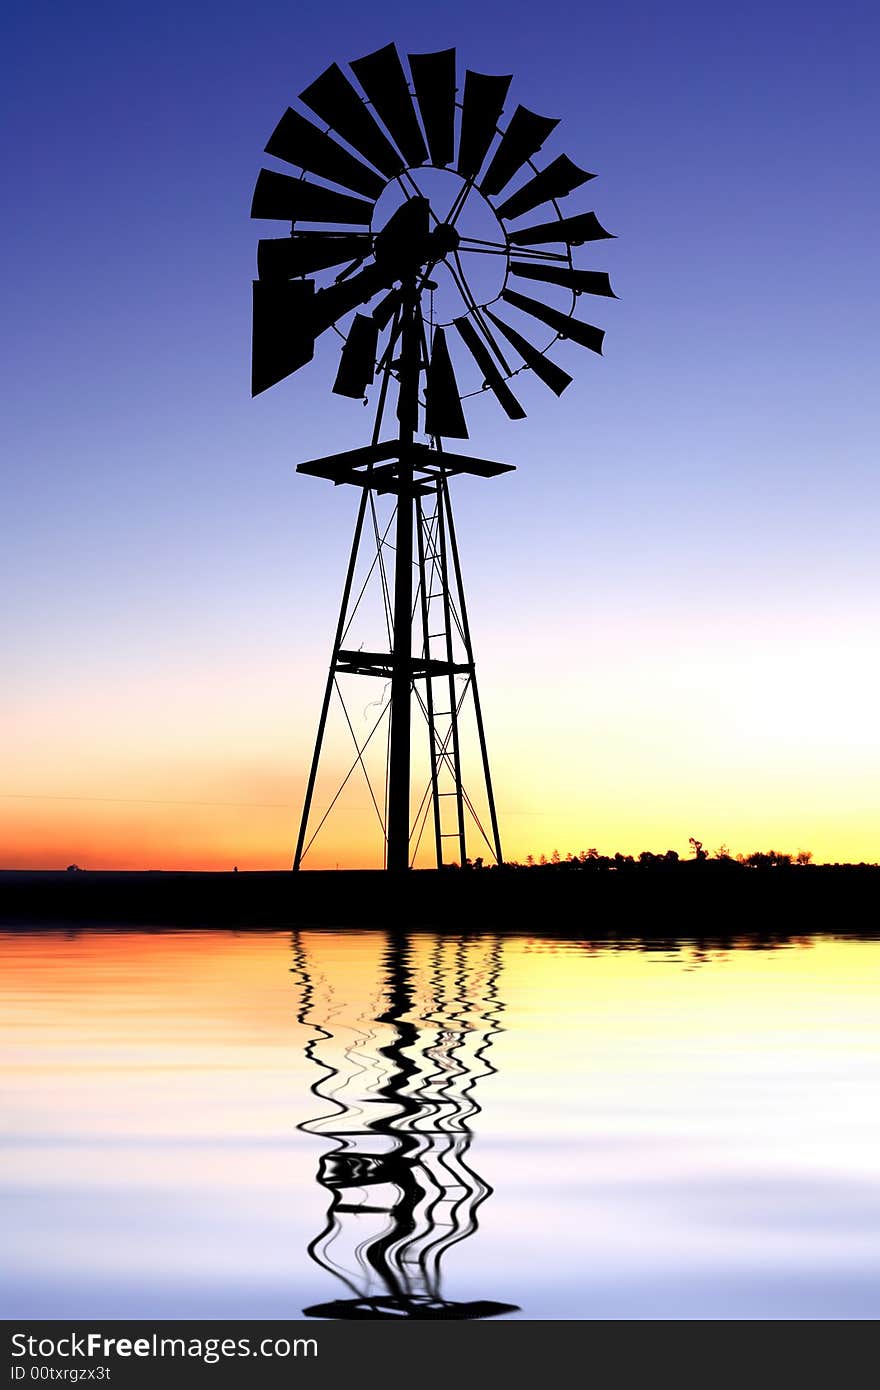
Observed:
{"x":283,"y":258}
{"x":332,"y":97}
{"x":284,"y":199}
{"x":582,"y":281}
{"x":556,"y":181}
{"x":433,"y":77}
{"x":540,"y":364}
{"x":297,"y":141}
{"x":386,"y":308}
{"x":332,"y":303}
{"x":573,"y":231}
{"x":290,"y":314}
{"x":358,"y":361}
{"x":583,"y":333}
{"x":443,"y":412}
{"x":283,"y":339}
{"x":493,"y":378}
{"x":382,"y":77}
{"x":481,"y":111}
{"x":523,"y":137}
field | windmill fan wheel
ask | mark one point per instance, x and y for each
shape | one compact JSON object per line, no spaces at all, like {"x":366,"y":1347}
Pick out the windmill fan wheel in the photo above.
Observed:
{"x":371,"y":219}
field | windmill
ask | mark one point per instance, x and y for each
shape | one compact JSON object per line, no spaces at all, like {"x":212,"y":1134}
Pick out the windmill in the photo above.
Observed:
{"x":422,"y":262}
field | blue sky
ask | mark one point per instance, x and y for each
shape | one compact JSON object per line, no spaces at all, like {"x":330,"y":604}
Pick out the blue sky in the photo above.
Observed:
{"x":709,"y":486}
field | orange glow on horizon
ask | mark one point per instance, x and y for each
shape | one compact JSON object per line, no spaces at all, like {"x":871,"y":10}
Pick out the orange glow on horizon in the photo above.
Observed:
{"x":741,"y":741}
{"x":111,"y":835}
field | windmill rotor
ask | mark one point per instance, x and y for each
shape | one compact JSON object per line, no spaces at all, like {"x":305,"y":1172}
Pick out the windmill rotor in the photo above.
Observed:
{"x":398,"y":126}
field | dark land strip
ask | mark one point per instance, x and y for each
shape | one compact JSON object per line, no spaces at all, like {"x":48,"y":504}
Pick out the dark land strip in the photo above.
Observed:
{"x":556,"y":900}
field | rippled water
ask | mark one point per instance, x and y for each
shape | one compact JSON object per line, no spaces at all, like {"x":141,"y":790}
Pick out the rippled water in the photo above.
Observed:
{"x":258,"y":1124}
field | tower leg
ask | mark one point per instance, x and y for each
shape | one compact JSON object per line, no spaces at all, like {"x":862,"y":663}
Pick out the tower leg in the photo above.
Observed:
{"x":331,"y":676}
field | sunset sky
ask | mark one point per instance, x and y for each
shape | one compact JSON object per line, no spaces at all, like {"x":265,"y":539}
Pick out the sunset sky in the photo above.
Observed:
{"x":674,"y":598}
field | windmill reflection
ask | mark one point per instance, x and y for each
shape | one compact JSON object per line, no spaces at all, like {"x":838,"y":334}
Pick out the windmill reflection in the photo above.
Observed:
{"x":400,"y":1073}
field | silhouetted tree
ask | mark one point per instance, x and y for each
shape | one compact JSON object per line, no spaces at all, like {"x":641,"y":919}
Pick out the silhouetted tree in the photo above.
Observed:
{"x":593,"y":860}
{"x":771,"y":859}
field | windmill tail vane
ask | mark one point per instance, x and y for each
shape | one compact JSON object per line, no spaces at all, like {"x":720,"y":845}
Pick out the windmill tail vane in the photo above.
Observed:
{"x":415,"y":250}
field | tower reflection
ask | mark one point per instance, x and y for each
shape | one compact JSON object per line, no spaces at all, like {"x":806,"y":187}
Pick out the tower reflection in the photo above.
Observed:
{"x":400,"y":1072}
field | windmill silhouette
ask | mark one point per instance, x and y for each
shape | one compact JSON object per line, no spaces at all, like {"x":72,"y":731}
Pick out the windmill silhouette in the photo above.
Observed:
{"x":416,"y":163}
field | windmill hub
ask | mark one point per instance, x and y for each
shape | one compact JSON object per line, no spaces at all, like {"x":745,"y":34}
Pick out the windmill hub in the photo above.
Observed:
{"x":408,"y":242}
{"x":446,"y":239}
{"x":460,"y":218}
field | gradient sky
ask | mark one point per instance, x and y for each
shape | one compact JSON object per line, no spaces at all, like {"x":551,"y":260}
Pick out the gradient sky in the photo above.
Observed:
{"x":674,"y":599}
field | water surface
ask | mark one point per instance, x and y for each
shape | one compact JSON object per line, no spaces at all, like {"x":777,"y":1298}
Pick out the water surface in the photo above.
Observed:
{"x":257,"y":1124}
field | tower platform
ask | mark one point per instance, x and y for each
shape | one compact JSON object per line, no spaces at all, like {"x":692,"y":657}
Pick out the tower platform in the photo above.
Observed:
{"x":383,"y":467}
